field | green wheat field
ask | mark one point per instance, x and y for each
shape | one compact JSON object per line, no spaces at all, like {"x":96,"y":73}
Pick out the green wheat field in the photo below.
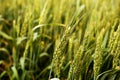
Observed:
{"x":63,"y":39}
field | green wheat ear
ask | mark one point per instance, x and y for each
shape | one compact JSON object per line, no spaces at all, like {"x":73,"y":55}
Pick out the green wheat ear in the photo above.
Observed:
{"x":114,"y":43}
{"x":98,"y":55}
{"x":75,"y":68}
{"x":116,"y":53}
{"x":58,"y":56}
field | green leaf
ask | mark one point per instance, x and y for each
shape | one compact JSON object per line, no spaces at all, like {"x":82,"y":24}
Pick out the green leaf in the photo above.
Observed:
{"x":110,"y":75}
{"x":22,"y":63}
{"x":43,"y":54}
{"x":20,"y":39}
{"x":15,"y":73}
{"x":4,"y":50}
{"x":4,"y":35}
{"x":2,"y":74}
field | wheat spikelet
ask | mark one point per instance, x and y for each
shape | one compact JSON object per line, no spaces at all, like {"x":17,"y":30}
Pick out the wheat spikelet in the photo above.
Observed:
{"x":44,"y":12}
{"x":113,"y":36}
{"x":98,"y":54}
{"x":116,"y":51}
{"x":58,"y":57}
{"x":74,"y":72}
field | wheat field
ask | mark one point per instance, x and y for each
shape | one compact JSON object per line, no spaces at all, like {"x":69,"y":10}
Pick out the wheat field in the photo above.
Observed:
{"x":64,"y":39}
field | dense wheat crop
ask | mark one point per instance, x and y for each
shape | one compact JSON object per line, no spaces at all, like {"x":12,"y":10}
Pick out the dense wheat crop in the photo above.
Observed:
{"x":65,"y":39}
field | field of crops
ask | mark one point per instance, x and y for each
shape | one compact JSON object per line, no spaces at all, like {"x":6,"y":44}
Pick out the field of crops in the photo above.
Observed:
{"x":64,"y":39}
